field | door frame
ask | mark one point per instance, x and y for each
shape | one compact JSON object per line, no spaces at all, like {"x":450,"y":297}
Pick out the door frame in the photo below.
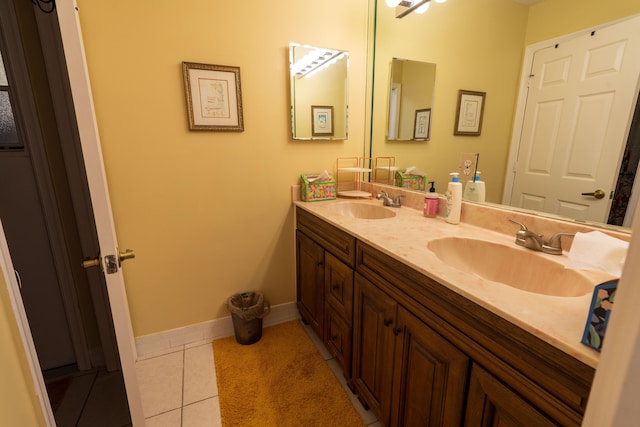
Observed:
{"x":15,"y":298}
{"x":32,"y":137}
{"x":518,"y":120}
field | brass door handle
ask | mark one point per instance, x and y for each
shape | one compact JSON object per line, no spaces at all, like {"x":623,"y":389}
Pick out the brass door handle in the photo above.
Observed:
{"x":127,"y":254}
{"x":598,"y":194}
{"x":94,"y":262}
{"x":122,"y":256}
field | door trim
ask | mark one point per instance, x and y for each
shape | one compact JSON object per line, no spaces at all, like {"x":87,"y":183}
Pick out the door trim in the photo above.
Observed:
{"x":6,"y":265}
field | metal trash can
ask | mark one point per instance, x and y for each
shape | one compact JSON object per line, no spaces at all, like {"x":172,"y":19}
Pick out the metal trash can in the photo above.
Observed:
{"x":247,"y":311}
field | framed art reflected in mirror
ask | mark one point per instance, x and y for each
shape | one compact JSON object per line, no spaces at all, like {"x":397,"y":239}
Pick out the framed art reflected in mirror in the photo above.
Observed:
{"x":322,"y":120}
{"x":469,"y":113}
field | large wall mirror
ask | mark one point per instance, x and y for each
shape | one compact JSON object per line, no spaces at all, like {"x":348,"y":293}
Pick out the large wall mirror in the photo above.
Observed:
{"x":319,"y":92}
{"x":476,"y":46}
{"x":409,"y":108}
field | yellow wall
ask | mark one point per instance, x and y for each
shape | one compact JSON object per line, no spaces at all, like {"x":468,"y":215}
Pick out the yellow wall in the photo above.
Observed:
{"x":209,"y":214}
{"x":475,"y":46}
{"x":553,"y":18}
{"x":19,"y":405}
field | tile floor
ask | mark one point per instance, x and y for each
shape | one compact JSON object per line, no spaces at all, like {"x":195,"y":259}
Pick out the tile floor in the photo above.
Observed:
{"x":179,"y":388}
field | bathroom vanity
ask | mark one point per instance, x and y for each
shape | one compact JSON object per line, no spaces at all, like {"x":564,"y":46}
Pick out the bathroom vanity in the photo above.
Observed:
{"x":421,"y":341}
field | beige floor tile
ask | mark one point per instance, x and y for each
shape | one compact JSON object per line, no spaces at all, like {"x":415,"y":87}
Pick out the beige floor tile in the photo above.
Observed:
{"x":199,"y":374}
{"x":160,"y":381}
{"x":168,"y":419}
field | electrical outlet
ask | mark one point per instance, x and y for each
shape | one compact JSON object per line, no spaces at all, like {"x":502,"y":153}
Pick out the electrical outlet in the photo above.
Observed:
{"x":468,"y":166}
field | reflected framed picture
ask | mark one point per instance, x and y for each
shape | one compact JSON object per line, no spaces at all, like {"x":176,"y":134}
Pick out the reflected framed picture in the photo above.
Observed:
{"x":321,"y":120}
{"x":214,"y":97}
{"x":469,"y":113}
{"x":422,"y":124}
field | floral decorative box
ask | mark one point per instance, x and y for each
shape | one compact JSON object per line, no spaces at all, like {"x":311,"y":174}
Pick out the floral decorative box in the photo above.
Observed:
{"x":599,"y":312}
{"x":411,"y":182}
{"x":313,"y":190}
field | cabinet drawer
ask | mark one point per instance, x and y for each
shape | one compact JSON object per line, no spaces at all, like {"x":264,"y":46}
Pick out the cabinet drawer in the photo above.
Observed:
{"x":339,"y":243}
{"x":338,"y":279}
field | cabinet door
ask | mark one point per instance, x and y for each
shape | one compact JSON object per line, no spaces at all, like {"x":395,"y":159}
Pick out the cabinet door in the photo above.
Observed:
{"x":373,"y":346}
{"x":310,"y":282}
{"x":491,"y":403}
{"x":430,"y":376}
{"x":338,"y":340}
{"x":338,"y":279}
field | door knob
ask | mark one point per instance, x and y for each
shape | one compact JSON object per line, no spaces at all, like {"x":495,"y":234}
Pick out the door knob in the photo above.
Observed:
{"x":598,"y":194}
{"x":122,"y":256}
{"x":93,"y":262}
{"x":127,"y":254}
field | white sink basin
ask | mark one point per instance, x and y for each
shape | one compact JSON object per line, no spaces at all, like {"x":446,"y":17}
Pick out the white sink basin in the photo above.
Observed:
{"x":512,"y":266}
{"x":361,"y":210}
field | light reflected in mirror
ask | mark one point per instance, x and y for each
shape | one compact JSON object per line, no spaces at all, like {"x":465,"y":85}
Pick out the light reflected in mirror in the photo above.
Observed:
{"x":319,"y":92}
{"x":411,"y":86}
{"x":494,"y":65}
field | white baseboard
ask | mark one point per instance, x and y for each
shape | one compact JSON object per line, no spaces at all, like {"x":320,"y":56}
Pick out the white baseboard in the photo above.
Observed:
{"x":208,"y":331}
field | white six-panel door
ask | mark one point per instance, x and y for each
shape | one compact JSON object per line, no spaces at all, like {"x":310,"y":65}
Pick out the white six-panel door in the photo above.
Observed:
{"x":581,"y":98}
{"x":91,"y":150}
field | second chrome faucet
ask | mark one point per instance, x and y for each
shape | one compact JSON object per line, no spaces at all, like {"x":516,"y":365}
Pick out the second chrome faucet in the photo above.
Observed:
{"x":537,"y":242}
{"x":388,"y":200}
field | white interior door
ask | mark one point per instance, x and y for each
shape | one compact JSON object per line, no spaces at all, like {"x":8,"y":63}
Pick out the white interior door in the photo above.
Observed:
{"x":581,"y":98}
{"x":82,"y":98}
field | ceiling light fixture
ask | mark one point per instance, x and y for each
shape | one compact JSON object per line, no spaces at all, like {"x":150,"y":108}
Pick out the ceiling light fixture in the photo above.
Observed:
{"x":405,"y":7}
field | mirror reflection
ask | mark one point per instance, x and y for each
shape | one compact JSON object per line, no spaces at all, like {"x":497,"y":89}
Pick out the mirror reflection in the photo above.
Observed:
{"x":483,"y":48}
{"x":319,"y":92}
{"x":411,"y":86}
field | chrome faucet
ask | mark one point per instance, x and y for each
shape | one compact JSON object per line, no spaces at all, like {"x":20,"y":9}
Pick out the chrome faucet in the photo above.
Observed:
{"x":531,"y":240}
{"x":387,"y":200}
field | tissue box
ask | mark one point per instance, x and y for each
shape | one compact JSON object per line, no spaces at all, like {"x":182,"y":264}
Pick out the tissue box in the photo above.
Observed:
{"x":599,"y":312}
{"x":317,"y":190}
{"x":411,"y":182}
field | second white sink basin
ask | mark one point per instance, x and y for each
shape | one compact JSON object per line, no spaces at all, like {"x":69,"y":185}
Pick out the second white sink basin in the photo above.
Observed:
{"x":361,"y":210}
{"x":509,"y":265}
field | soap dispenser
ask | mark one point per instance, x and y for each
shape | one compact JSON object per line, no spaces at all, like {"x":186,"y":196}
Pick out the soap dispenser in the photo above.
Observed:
{"x":454,"y":199}
{"x":474,"y":190}
{"x":431,"y":202}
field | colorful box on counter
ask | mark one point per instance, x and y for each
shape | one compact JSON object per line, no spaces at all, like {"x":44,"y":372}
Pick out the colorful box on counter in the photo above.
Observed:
{"x":411,"y":182}
{"x":599,"y":312}
{"x":317,"y":190}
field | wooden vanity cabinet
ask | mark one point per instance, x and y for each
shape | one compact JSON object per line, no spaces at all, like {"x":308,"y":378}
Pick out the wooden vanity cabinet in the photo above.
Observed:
{"x":325,"y":257}
{"x":418,"y":353}
{"x":310,"y":282}
{"x":491,"y":403}
{"x":404,"y":371}
{"x":453,"y":362}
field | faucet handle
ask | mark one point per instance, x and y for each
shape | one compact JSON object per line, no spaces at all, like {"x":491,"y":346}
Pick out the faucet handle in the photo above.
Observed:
{"x":522,"y":226}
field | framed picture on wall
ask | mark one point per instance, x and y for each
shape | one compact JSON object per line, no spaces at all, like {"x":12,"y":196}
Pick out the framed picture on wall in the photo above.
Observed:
{"x":214,"y":97}
{"x":422,"y":124}
{"x":321,"y":120}
{"x":469,"y":113}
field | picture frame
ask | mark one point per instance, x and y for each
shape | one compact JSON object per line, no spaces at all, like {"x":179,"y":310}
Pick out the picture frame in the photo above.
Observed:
{"x":422,"y":125}
{"x":322,"y":120}
{"x":214,"y":97}
{"x":469,"y":113}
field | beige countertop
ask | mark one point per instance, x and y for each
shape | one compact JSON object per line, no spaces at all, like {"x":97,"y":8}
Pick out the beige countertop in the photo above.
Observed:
{"x":559,"y":321}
